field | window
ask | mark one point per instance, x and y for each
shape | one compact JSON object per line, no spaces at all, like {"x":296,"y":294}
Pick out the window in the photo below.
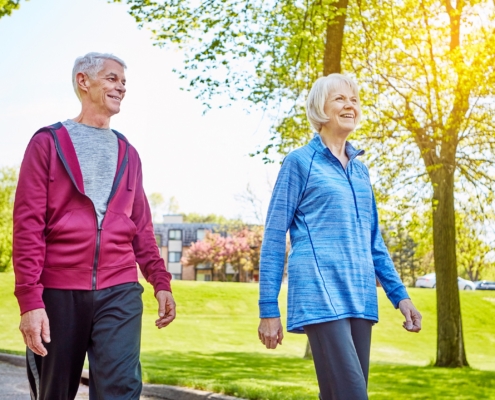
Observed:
{"x":177,"y":277}
{"x":175,"y":234}
{"x":174,"y":256}
{"x":200,"y":234}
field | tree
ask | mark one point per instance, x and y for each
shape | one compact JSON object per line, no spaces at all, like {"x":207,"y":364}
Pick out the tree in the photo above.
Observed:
{"x":224,"y":222}
{"x":402,"y":250}
{"x":474,"y":247}
{"x":241,"y":249}
{"x":430,"y":97}
{"x":288,"y":43}
{"x":268,"y":53}
{"x":173,"y":205}
{"x":8,"y":183}
{"x":250,"y":252}
{"x":210,"y":251}
{"x":408,"y":237}
{"x":156,"y":204}
{"x":425,"y":68}
{"x":7,"y":6}
{"x":252,"y":202}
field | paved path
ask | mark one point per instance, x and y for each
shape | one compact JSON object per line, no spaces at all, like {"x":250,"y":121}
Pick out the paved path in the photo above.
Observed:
{"x":14,"y":384}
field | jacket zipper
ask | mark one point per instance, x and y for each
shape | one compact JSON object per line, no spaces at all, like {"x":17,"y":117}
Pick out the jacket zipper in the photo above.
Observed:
{"x":97,"y":250}
{"x":352,"y":189}
{"x":112,"y":193}
{"x":346,"y":173}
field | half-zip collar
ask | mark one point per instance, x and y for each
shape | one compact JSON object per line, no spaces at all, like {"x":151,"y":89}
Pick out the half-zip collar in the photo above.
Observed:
{"x":317,"y":144}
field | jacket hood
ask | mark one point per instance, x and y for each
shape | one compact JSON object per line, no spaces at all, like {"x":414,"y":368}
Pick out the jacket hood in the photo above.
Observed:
{"x":67,"y":153}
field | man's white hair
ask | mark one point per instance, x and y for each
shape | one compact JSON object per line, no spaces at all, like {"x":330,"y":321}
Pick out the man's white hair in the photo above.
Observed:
{"x":318,"y":95}
{"x":91,"y":64}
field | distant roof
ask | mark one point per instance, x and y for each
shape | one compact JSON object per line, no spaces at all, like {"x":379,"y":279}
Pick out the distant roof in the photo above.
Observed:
{"x":188,"y":231}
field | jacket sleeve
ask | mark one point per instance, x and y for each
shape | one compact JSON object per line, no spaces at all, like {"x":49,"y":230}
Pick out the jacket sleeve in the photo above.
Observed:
{"x":144,"y":244}
{"x":384,"y":267}
{"x":283,"y":204}
{"x":30,"y":207}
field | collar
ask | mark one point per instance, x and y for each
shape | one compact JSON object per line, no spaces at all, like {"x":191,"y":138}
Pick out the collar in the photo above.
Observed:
{"x":317,"y":144}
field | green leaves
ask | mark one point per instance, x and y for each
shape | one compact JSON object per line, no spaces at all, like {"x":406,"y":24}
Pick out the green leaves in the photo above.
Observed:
{"x":426,"y":71}
{"x":7,"y":6}
{"x":8,"y":183}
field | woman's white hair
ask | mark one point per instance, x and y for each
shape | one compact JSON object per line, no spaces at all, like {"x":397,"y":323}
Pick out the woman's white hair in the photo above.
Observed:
{"x":318,"y":95}
{"x":91,"y":64}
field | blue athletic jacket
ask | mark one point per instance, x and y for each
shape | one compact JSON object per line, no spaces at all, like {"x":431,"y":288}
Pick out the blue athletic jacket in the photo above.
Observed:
{"x":337,"y":249}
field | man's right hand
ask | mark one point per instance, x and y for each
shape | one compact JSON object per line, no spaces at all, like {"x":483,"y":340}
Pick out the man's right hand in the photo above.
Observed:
{"x":34,"y":327}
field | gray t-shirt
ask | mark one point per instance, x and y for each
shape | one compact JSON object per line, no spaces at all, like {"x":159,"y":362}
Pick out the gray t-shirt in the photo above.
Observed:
{"x":97,"y":151}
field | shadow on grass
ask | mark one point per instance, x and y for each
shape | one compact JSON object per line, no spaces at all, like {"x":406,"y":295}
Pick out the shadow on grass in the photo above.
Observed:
{"x":249,"y":375}
{"x":259,"y":376}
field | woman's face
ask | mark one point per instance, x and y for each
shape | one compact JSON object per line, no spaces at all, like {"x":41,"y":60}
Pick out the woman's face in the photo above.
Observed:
{"x":343,"y":110}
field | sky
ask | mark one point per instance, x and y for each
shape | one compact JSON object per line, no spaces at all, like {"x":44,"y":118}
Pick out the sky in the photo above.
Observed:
{"x":201,"y":160}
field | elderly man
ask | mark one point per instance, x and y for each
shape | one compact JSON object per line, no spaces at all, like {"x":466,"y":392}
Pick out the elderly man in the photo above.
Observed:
{"x":81,"y":222}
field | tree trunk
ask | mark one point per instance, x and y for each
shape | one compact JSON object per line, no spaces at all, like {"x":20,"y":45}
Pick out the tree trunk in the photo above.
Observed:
{"x":334,"y":40}
{"x":450,"y":341}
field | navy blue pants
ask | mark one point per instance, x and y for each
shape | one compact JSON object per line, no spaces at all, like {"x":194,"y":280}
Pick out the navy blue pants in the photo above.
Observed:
{"x":341,"y":354}
{"x":105,"y":324}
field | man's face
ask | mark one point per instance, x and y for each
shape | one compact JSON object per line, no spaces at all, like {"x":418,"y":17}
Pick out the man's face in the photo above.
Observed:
{"x":107,"y":90}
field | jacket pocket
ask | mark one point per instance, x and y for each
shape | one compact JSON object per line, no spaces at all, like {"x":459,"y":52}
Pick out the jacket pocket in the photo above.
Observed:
{"x":116,"y":241}
{"x":71,"y":241}
{"x":59,"y":226}
{"x":119,"y":228}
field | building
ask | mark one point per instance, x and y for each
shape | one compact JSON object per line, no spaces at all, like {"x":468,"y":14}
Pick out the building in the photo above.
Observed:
{"x":174,"y":237}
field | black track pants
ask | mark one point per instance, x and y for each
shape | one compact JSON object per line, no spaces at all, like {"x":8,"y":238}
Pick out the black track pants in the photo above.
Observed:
{"x":341,"y":352}
{"x":104,"y":323}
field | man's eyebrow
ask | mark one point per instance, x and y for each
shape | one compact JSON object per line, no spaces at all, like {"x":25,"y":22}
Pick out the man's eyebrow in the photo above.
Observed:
{"x":114,"y":75}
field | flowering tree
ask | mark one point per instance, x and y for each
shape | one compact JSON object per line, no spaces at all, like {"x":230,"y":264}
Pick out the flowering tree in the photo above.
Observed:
{"x":240,"y":249}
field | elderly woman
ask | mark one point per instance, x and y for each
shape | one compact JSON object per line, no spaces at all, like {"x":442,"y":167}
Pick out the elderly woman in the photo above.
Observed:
{"x":323,"y":195}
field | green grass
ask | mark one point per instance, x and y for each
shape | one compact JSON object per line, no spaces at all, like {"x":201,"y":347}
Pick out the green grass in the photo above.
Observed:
{"x":213,"y":345}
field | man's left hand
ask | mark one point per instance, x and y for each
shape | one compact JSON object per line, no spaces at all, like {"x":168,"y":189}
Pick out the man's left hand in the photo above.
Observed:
{"x":413,"y":317}
{"x":166,"y":308}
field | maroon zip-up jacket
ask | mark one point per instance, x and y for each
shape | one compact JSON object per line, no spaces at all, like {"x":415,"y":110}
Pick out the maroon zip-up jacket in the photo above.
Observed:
{"x":57,"y":243}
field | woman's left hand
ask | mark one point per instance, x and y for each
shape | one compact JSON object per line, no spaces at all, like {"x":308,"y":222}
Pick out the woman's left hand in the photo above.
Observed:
{"x":413,"y":317}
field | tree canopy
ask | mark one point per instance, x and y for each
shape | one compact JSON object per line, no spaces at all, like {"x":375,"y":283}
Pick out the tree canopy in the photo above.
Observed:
{"x":7,"y":6}
{"x":426,"y":74}
{"x":425,"y":69}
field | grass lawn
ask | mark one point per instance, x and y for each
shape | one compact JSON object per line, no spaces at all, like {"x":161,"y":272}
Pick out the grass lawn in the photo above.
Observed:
{"x":213,"y":345}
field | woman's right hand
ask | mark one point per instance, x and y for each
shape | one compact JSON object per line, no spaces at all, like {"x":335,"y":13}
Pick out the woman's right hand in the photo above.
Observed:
{"x":271,"y":332}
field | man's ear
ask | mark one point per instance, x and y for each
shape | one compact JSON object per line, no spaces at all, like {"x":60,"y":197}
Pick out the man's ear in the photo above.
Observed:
{"x":82,"y":82}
